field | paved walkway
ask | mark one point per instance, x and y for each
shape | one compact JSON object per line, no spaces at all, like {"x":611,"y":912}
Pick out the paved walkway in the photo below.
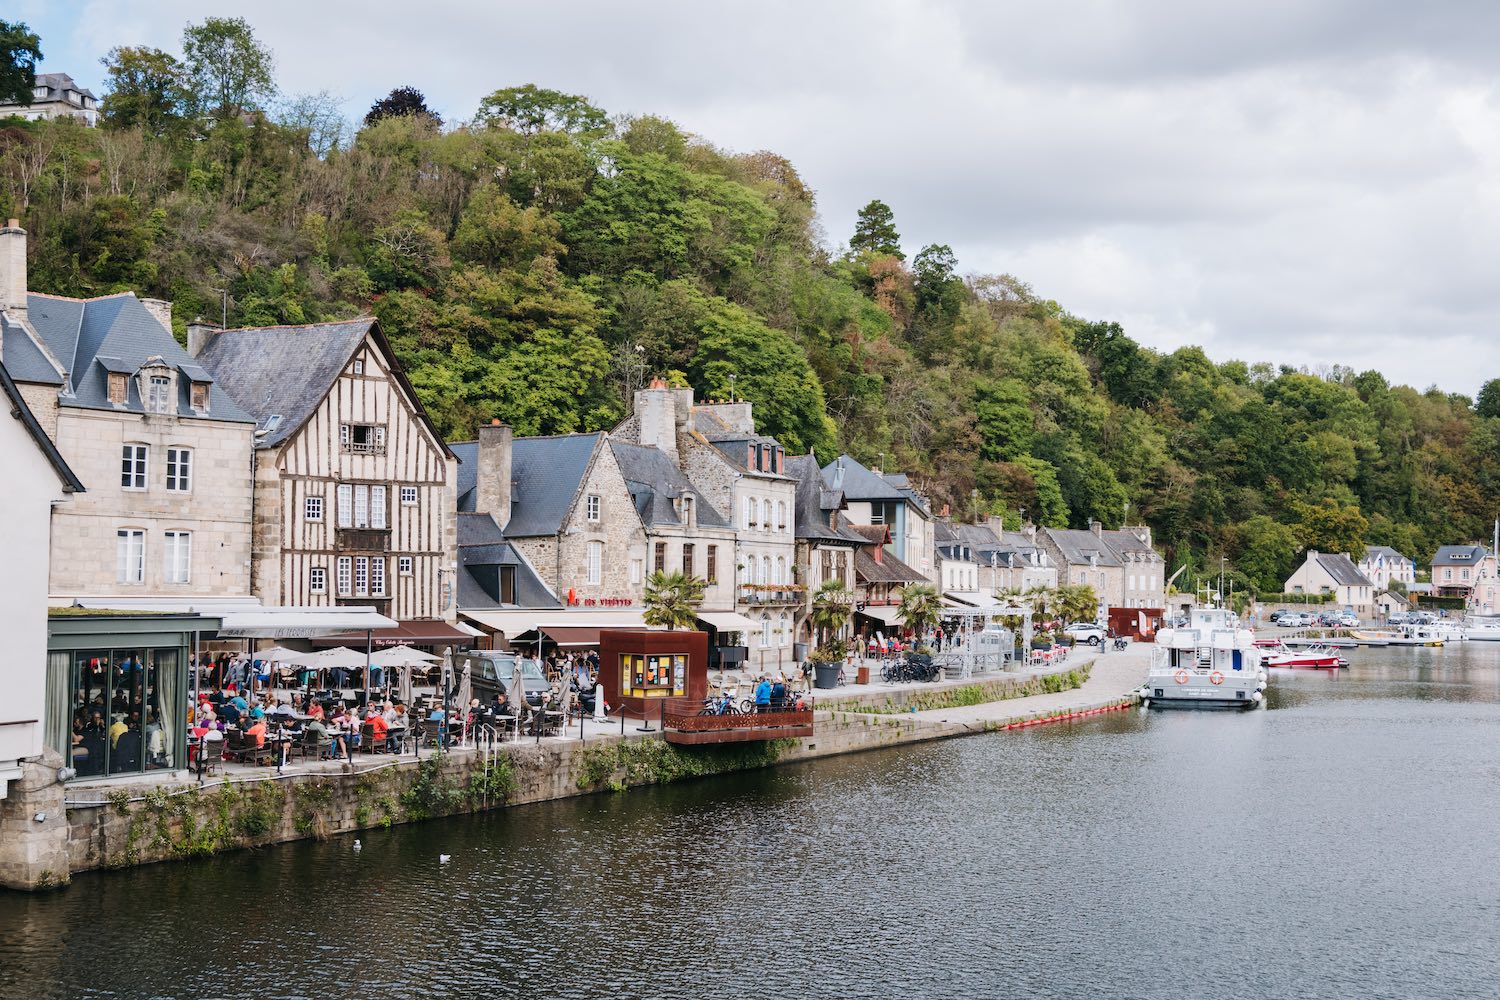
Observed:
{"x":1114,"y":676}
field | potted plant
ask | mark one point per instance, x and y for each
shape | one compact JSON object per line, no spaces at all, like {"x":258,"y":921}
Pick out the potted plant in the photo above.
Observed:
{"x":831,"y":606}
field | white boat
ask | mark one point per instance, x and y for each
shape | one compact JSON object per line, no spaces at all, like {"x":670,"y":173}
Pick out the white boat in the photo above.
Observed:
{"x":1210,"y":663}
{"x":1403,"y":635}
{"x":1482,"y":629}
{"x":1448,"y":630}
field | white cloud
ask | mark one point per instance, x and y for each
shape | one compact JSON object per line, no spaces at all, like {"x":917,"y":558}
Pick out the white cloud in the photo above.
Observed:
{"x":1295,"y":181}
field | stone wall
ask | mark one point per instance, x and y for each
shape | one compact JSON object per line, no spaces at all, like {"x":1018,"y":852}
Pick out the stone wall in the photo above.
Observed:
{"x":41,"y":400}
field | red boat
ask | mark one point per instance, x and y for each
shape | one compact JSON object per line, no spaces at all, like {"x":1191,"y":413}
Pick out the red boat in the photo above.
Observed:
{"x":1316,"y":657}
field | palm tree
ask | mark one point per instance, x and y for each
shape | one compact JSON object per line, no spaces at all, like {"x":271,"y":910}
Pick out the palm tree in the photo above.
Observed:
{"x":1078,"y":602}
{"x":831,"y":604}
{"x":919,"y":607}
{"x":672,"y":600}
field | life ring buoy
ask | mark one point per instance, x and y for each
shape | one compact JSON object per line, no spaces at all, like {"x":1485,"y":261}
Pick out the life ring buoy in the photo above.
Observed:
{"x":1181,"y":677}
{"x":1216,"y":678}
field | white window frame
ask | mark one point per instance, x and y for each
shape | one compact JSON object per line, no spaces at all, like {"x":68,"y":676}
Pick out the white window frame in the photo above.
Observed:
{"x":403,"y":565}
{"x":346,"y":576}
{"x":179,"y":470}
{"x":159,"y":394}
{"x":786,"y":629}
{"x":359,"y":366}
{"x":377,"y":576}
{"x":595,"y":563}
{"x":765,"y":569}
{"x":637,"y":569}
{"x":361,"y":506}
{"x":361,"y":576}
{"x":765,"y":511}
{"x":177,"y":557}
{"x":130,"y":556}
{"x":346,"y":505}
{"x":765,"y":630}
{"x":750,"y":508}
{"x":408,"y":496}
{"x":592,"y":508}
{"x":377,"y":508}
{"x":317,"y":580}
{"x":138,"y":477}
{"x":781,"y":515}
{"x":312,"y":507}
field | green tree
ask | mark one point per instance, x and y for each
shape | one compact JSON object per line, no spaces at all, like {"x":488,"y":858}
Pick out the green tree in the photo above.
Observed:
{"x":1488,"y":402}
{"x":1077,"y":602}
{"x":145,"y":88}
{"x":671,"y":600}
{"x":875,"y":231}
{"x":831,"y":605}
{"x":920,"y":607}
{"x":530,"y":109}
{"x":1329,"y":527}
{"x":20,"y":51}
{"x":232,"y":71}
{"x":402,"y":102}
{"x":1265,"y":551}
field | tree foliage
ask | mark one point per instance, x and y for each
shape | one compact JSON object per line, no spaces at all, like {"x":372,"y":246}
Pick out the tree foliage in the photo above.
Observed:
{"x":875,"y":231}
{"x":233,"y":72}
{"x":145,"y":89}
{"x":402,"y":102}
{"x":20,"y":51}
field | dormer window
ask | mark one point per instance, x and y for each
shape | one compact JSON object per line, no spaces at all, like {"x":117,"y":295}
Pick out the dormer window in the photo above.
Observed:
{"x":159,"y":393}
{"x":200,"y":397}
{"x":119,"y":389}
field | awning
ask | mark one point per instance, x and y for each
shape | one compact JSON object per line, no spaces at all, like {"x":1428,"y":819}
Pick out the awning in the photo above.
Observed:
{"x":729,"y":621}
{"x":970,"y":599}
{"x":512,"y":623}
{"x":886,"y":614}
{"x":406,"y":632}
{"x":245,"y":618}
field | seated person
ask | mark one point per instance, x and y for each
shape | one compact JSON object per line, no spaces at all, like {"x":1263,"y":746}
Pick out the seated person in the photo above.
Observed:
{"x":379,"y":728}
{"x":257,"y":732}
{"x":317,"y":735}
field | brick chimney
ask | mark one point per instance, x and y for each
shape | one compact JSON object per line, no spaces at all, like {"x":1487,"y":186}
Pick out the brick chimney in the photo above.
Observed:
{"x":13,"y":268}
{"x":199,"y":333}
{"x":494,"y":488}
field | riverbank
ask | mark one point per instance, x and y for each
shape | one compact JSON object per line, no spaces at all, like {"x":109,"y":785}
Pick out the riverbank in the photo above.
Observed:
{"x":145,"y":820}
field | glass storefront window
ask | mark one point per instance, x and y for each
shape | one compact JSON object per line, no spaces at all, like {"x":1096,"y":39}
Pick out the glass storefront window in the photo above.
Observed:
{"x":128,"y":712}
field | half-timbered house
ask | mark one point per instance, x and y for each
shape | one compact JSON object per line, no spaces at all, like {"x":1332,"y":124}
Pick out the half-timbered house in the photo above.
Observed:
{"x":355,"y":490}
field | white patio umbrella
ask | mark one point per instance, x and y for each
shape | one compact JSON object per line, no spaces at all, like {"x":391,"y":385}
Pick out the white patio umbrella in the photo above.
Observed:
{"x":402,"y":658}
{"x":323,"y":659}
{"x":465,"y":692}
{"x":276,"y":655}
{"x":518,"y":703}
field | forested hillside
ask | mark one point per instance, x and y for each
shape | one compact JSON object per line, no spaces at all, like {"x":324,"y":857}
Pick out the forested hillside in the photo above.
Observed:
{"x":542,"y":259}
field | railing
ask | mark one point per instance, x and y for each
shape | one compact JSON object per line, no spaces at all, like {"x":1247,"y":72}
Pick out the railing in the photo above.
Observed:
{"x":365,"y":448}
{"x":773,"y":596}
{"x":682,"y":723}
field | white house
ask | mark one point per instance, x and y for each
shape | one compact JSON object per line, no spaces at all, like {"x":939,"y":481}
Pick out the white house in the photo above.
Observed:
{"x":1336,"y":574}
{"x":36,"y":478}
{"x":1383,"y":565}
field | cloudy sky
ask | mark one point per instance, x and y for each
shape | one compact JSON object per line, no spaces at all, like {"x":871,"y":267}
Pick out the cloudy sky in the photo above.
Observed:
{"x":1297,"y":181}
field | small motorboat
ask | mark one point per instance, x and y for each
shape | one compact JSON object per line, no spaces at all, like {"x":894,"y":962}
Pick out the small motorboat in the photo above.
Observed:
{"x":1316,"y":658}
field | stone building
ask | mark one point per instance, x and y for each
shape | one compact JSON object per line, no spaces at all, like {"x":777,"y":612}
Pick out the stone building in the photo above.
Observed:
{"x":1122,"y":566}
{"x":1384,"y":566}
{"x":355,"y":491}
{"x":56,"y":95}
{"x":1334,"y":574}
{"x":1008,"y":561}
{"x":163,"y":450}
{"x":826,"y":548}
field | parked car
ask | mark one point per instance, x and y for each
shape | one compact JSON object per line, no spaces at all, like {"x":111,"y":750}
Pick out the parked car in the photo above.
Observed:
{"x":1295,"y":619}
{"x":1277,"y":615}
{"x":491,"y":670}
{"x":1348,"y":620}
{"x":1085,"y":632}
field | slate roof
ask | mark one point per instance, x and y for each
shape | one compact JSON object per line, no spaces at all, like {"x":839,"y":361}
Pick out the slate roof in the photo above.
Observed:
{"x":545,"y":476}
{"x":22,"y":412}
{"x":903,"y":483}
{"x":1342,"y":569}
{"x":25,"y":360}
{"x":654,"y":481}
{"x":283,"y":371}
{"x":1373,"y":552}
{"x":858,"y":482}
{"x":1124,"y":541}
{"x":814,"y":504}
{"x":1082,"y":548}
{"x":481,"y":546}
{"x":57,"y":84}
{"x":1459,"y":555}
{"x":888,"y":570}
{"x":92,"y":337}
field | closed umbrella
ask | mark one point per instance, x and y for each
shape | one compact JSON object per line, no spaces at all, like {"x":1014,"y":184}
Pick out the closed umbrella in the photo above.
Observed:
{"x":406,"y":684}
{"x":465,"y":692}
{"x":518,"y":693}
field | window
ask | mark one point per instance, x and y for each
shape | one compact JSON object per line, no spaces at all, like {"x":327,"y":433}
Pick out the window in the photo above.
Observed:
{"x":591,"y":505}
{"x":312,"y":508}
{"x":179,"y":470}
{"x":359,"y":367}
{"x":403,"y":565}
{"x":750,"y":509}
{"x":133,"y":466}
{"x":780,"y":570}
{"x":781,"y":515}
{"x":179,"y":556}
{"x":765,"y":509}
{"x":377,"y":576}
{"x":661,"y":557}
{"x":199,"y":396}
{"x":687,"y":510}
{"x":345,"y":571}
{"x":408,"y":496}
{"x":687,"y":560}
{"x":765,"y":569}
{"x":1466,"y":573}
{"x":361,"y":576}
{"x":159,"y":393}
{"x":362,"y":439}
{"x":595,"y":562}
{"x":711,"y":571}
{"x":130,"y":555}
{"x":362,"y":506}
{"x":765,"y":630}
{"x":317,"y":580}
{"x":637,"y":566}
{"x":786,"y":629}
{"x":346,"y":506}
{"x":118,"y":391}
{"x":507,"y":585}
{"x":377,"y":506}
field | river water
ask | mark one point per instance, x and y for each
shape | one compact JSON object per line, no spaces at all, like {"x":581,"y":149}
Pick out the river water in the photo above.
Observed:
{"x":1343,"y":843}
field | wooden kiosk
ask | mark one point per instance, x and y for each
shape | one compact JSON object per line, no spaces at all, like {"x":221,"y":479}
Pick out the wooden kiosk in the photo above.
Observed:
{"x":639,"y":669}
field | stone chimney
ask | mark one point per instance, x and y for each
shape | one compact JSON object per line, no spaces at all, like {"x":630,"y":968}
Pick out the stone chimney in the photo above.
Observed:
{"x":199,"y":333}
{"x":161,"y":309}
{"x":494,"y":488}
{"x":1096,"y":527}
{"x":13,"y":268}
{"x":663,"y":412}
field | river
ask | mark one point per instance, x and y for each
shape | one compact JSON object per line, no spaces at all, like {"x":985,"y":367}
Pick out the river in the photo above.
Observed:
{"x":1342,"y":843}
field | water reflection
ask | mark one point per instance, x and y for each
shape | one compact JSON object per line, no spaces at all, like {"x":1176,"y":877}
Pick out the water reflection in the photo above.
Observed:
{"x":1339,"y":844}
